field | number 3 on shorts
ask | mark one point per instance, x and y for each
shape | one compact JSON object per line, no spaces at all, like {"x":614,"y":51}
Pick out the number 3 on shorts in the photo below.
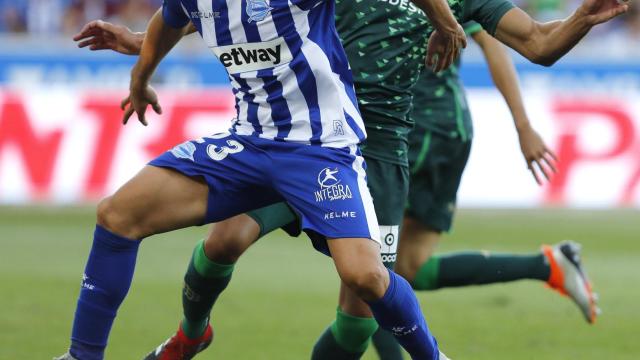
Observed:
{"x":218,"y":153}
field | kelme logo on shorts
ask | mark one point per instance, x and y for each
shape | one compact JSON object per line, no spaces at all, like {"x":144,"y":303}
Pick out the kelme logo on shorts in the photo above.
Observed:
{"x":239,"y":58}
{"x":330,"y":186}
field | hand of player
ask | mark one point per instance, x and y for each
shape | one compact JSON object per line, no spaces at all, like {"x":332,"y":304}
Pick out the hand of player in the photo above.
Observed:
{"x":444,"y":47}
{"x":139,"y":98}
{"x":598,"y":11}
{"x":540,"y":159}
{"x":102,"y":35}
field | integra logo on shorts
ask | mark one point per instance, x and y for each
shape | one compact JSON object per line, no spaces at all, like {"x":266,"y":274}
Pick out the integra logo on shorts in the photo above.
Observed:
{"x":330,"y":186}
{"x":239,"y":58}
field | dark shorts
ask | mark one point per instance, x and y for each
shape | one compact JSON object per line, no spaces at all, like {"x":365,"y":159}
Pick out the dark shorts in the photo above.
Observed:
{"x":436,"y":164}
{"x":389,"y":186}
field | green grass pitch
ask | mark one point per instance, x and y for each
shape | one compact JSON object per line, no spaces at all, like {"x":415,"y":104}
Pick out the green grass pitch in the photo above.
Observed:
{"x":284,"y":293}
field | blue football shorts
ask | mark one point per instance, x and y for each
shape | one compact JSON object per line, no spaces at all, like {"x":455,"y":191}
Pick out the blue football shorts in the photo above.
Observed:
{"x":325,"y":186}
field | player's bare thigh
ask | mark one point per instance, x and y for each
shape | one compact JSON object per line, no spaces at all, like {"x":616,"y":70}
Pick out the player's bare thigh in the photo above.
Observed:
{"x":154,"y":201}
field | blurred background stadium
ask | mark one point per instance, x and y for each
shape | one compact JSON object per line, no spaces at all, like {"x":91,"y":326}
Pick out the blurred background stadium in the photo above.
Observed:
{"x":62,"y":147}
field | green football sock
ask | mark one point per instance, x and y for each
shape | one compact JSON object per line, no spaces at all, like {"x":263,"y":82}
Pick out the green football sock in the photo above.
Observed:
{"x":386,"y":345}
{"x":346,"y":339}
{"x":477,"y":268}
{"x":203,"y":283}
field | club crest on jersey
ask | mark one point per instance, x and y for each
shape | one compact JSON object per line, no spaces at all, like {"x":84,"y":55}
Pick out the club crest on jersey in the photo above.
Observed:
{"x":258,"y":10}
{"x":330,"y":186}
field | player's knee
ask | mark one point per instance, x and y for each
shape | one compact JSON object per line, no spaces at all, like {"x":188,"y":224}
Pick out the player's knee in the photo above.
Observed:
{"x":370,"y":283}
{"x":116,"y":220}
{"x":225,"y":244}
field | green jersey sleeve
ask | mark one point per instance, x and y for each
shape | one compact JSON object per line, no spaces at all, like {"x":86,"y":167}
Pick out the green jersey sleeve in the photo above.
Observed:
{"x":486,"y":12}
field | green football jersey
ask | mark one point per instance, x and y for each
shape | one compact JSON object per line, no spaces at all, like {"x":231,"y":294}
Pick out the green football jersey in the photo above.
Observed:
{"x":439,"y":100}
{"x":385,"y":42}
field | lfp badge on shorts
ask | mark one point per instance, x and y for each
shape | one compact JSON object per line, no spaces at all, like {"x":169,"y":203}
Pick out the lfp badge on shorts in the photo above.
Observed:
{"x":389,"y":241}
{"x":258,"y":10}
{"x":331,"y":188}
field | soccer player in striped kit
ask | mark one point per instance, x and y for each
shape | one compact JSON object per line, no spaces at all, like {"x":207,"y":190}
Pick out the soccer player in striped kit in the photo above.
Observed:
{"x":201,"y":264}
{"x":294,"y":139}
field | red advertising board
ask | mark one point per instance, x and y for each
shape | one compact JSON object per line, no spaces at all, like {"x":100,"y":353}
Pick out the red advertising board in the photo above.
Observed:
{"x":67,"y":146}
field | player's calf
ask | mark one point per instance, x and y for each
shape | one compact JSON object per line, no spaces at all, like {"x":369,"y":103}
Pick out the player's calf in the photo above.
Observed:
{"x":144,"y":206}
{"x":417,"y":245}
{"x":390,"y":297}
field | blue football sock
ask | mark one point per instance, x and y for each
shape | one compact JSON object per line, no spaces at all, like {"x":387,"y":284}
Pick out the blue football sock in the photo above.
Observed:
{"x":105,"y":283}
{"x":398,"y":312}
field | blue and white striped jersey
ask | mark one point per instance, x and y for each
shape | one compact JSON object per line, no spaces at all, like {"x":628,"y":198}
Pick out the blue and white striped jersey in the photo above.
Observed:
{"x":289,"y":72}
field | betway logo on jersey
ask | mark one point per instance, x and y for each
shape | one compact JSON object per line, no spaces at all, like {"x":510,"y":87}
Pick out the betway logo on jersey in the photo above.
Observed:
{"x":239,"y":58}
{"x":330,"y":186}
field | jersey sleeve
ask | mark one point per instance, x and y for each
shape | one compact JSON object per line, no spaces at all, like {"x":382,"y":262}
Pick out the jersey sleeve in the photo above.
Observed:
{"x":487,"y":13}
{"x":173,"y":14}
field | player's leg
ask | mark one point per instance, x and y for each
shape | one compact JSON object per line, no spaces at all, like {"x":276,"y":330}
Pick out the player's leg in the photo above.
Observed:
{"x":417,"y":250}
{"x":349,"y":335}
{"x":420,"y":245}
{"x":122,"y":221}
{"x":189,"y":185}
{"x":333,"y":201}
{"x":430,"y":211}
{"x":559,"y":266}
{"x":389,"y":185}
{"x":209,"y":272}
{"x":389,"y":296}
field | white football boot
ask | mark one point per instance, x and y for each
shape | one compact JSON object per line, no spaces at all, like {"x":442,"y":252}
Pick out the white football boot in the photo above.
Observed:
{"x":569,"y":278}
{"x":66,"y":356}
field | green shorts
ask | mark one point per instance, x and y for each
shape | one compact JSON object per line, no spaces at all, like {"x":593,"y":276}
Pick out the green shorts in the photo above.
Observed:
{"x":436,"y":164}
{"x":389,"y":186}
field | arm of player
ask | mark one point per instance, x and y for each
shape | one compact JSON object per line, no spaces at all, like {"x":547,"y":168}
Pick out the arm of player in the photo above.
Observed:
{"x":160,"y":38}
{"x":545,"y":43}
{"x":448,"y":38}
{"x":102,"y":35}
{"x":539,"y":158}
